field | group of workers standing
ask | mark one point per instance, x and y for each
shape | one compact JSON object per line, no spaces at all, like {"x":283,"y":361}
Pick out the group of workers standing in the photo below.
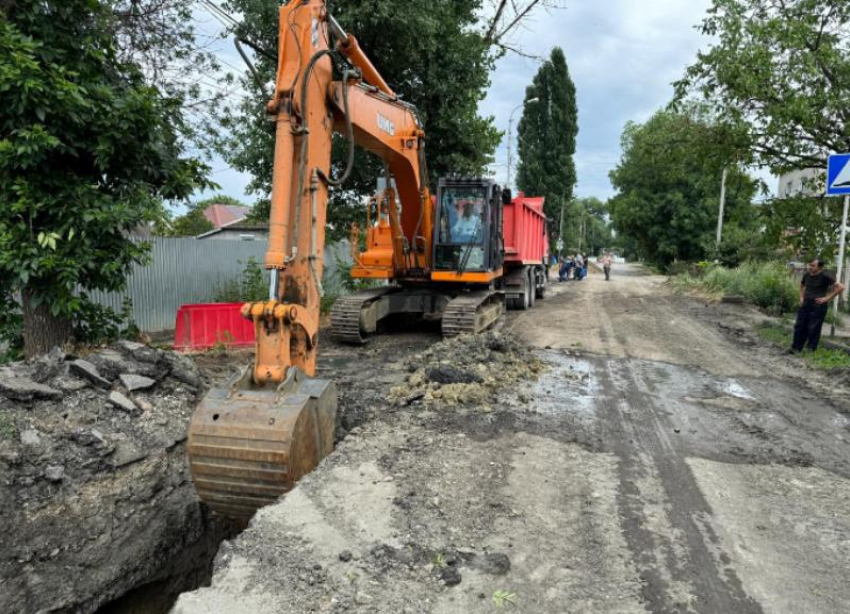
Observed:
{"x":575,"y":267}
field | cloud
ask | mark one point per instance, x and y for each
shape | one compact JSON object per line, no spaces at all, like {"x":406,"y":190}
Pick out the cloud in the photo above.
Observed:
{"x":622,"y":55}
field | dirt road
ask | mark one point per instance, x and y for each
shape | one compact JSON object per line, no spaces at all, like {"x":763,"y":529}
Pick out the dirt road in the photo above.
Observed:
{"x":664,"y":462}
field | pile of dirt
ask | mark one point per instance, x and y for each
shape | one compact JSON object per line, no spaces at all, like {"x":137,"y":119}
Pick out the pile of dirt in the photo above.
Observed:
{"x":95,"y":491}
{"x":467,"y":370}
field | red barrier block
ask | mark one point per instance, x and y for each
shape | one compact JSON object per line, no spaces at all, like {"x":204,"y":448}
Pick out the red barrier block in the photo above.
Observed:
{"x":200,"y":327}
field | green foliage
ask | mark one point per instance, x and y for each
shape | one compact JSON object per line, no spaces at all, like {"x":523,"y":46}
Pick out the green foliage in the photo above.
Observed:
{"x":804,"y":225}
{"x":500,"y":598}
{"x":88,"y":152}
{"x":190,"y":224}
{"x":429,"y":52}
{"x":768,"y":285}
{"x":547,"y":135}
{"x":782,"y":67}
{"x":741,"y":243}
{"x":250,"y":286}
{"x":97,"y":325}
{"x":10,"y":328}
{"x":585,"y":226}
{"x":223,"y":344}
{"x":193,"y":223}
{"x":669,"y":185}
{"x":822,"y":358}
{"x":327,"y":302}
{"x":161,"y":37}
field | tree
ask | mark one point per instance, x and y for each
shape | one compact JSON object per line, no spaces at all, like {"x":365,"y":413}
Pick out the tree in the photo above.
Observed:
{"x":435,"y":54}
{"x":585,"y":225}
{"x":88,"y":152}
{"x":669,"y":185}
{"x":162,"y":38}
{"x":783,"y":67}
{"x":547,"y":135}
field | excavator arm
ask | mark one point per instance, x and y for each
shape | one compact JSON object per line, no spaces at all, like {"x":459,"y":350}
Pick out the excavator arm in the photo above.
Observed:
{"x":250,"y":442}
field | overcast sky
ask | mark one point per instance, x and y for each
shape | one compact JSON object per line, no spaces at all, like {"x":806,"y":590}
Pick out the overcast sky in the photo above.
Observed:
{"x":623,"y":56}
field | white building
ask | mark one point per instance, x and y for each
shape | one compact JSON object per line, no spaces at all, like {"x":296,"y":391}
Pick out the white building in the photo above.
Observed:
{"x":806,"y":182}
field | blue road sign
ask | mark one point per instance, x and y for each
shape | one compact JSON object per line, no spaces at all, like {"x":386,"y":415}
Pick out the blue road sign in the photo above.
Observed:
{"x":838,"y":175}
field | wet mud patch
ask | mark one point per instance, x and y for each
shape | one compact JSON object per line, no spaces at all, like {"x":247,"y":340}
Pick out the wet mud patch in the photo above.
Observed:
{"x":735,"y":419}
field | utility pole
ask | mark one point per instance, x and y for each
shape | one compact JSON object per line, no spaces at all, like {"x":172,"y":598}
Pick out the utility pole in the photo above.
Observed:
{"x":561,"y":232}
{"x":722,"y":205}
{"x":840,"y":260}
{"x":510,"y":131}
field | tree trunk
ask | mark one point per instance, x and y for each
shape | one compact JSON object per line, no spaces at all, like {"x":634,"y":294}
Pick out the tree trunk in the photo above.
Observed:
{"x":42,"y":330}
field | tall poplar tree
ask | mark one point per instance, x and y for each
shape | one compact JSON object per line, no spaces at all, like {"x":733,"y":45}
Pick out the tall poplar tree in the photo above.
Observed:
{"x":547,"y":135}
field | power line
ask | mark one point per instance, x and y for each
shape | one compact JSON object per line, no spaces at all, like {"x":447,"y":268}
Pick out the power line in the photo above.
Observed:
{"x":220,"y":14}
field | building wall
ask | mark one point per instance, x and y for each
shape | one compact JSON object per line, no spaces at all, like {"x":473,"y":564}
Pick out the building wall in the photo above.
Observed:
{"x":806,"y":182}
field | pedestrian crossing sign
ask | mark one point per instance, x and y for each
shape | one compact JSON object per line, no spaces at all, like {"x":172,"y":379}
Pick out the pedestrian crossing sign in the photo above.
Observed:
{"x":838,"y":175}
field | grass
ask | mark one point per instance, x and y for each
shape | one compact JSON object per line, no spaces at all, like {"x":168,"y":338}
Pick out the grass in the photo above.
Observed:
{"x":500,"y":598}
{"x":766,"y":284}
{"x":822,"y":358}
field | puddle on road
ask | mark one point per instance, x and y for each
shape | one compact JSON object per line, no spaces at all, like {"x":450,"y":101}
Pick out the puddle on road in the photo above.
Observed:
{"x":568,"y":386}
{"x":733,"y":388}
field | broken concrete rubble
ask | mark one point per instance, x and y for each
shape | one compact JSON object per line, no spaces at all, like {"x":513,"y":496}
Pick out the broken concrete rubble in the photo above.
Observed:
{"x":135,"y":382}
{"x":95,"y":491}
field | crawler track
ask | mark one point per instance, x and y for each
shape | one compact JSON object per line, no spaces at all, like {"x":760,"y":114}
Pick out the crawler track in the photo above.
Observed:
{"x":345,"y":316}
{"x":472,"y":313}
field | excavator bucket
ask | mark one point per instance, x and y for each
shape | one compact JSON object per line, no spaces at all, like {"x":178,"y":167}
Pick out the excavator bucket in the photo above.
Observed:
{"x":248,"y":446}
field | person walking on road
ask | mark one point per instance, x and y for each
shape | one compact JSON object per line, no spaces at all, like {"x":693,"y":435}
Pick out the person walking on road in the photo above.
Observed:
{"x":606,"y":265}
{"x":817,"y":290}
{"x":579,"y":267}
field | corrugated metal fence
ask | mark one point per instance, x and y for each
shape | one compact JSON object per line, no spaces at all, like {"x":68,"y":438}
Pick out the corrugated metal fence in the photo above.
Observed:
{"x":186,"y":270}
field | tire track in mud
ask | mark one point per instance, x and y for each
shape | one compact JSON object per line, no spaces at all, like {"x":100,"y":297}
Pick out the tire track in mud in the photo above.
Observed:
{"x":679,"y":562}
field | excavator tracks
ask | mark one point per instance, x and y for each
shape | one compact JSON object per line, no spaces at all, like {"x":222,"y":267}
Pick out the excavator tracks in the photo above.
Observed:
{"x":472,"y":313}
{"x":346,"y":321}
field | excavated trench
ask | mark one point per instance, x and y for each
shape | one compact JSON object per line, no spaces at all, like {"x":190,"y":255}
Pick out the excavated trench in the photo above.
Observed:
{"x":95,"y":489}
{"x":96,"y":497}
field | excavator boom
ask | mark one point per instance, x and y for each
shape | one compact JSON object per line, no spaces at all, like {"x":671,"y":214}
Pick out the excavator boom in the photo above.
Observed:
{"x":249,"y":442}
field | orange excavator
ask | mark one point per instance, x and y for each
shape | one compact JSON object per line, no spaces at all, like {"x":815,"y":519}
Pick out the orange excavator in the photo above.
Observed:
{"x":251,"y":441}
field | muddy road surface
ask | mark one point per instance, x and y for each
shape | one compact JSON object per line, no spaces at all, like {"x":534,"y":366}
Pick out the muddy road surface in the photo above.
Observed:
{"x":658,"y":459}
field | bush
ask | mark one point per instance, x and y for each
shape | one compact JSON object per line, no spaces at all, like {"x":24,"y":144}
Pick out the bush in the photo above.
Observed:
{"x":766,"y":284}
{"x":11,"y":329}
{"x":250,"y":286}
{"x":93,"y":324}
{"x":96,"y":324}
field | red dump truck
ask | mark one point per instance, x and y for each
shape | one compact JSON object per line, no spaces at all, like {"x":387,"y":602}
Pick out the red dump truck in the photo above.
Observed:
{"x":526,"y":250}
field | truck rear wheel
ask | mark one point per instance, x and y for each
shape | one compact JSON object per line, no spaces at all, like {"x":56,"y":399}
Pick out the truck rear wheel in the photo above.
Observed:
{"x":541,"y":289}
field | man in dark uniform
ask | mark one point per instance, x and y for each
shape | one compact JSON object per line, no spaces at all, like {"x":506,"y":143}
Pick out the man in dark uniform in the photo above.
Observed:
{"x":817,"y":289}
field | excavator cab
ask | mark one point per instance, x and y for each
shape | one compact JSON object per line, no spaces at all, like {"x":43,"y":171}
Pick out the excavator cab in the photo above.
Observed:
{"x":468,"y":219}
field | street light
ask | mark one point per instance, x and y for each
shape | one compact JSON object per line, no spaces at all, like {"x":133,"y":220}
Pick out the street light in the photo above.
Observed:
{"x":510,"y":130}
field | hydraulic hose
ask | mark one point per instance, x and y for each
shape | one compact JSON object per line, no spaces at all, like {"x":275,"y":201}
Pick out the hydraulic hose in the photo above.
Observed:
{"x":349,"y":134}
